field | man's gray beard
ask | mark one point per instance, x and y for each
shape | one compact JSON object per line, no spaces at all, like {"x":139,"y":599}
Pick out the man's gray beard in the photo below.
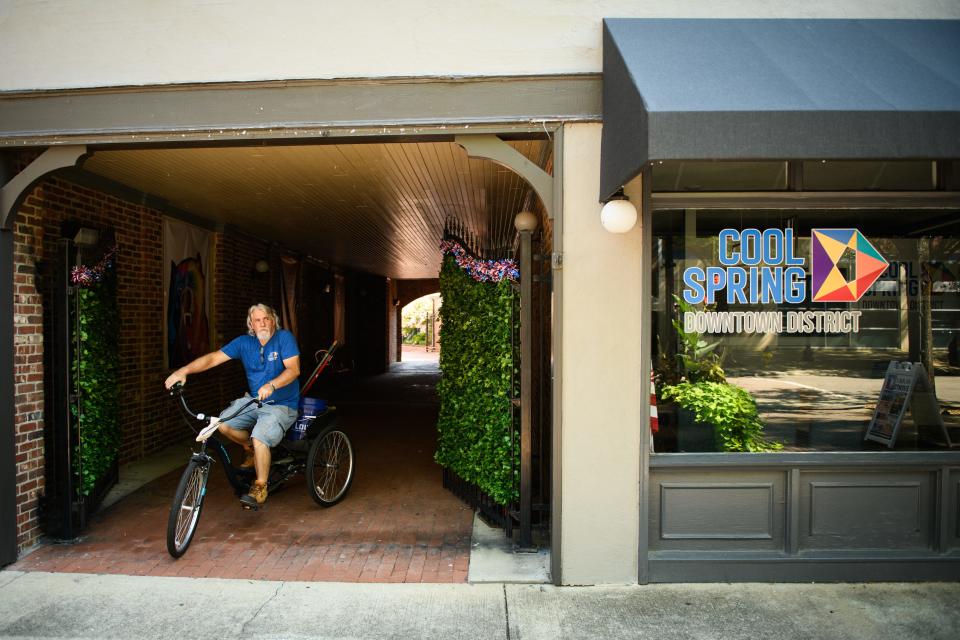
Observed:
{"x":263,"y":335}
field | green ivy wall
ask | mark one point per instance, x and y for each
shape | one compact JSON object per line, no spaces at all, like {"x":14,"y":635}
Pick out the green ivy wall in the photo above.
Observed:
{"x":94,"y":373}
{"x":476,"y":364}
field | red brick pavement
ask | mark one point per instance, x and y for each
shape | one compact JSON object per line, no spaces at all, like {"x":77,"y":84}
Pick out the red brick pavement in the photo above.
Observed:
{"x":397,"y":524}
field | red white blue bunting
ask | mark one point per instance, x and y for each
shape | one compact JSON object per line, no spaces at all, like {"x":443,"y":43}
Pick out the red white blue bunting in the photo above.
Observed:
{"x":86,"y":277}
{"x":481,"y":270}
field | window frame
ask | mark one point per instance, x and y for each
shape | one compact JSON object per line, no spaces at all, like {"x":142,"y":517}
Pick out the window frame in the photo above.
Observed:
{"x":795,"y":198}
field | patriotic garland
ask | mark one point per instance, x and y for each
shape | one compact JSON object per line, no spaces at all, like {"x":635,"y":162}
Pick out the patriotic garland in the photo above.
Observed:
{"x":481,"y":270}
{"x":84,"y":276}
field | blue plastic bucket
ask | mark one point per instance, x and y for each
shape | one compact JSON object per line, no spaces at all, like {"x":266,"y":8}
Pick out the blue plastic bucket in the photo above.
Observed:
{"x":310,"y":408}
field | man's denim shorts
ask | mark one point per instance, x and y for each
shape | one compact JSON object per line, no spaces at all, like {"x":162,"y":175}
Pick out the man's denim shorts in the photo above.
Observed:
{"x":269,"y":423}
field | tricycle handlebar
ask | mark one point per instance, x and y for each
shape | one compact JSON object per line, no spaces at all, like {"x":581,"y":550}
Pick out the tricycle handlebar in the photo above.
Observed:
{"x":177,"y":391}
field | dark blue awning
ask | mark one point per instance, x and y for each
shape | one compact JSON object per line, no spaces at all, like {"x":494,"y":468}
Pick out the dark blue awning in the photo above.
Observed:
{"x":777,"y":89}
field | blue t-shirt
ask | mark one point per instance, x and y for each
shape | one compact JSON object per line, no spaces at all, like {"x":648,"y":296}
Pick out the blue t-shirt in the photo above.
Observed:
{"x":263,"y":365}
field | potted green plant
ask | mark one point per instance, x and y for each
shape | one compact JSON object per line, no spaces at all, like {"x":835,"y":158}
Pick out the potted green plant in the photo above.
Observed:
{"x":712,"y":414}
{"x":729,"y":412}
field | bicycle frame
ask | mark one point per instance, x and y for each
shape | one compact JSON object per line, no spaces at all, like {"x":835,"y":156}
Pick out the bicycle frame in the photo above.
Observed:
{"x":280,"y":470}
{"x":325,"y":458}
{"x":239,"y":479}
{"x":234,"y":476}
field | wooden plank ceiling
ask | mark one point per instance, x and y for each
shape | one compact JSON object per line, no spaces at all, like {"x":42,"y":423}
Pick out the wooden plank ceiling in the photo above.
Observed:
{"x":378,"y":207}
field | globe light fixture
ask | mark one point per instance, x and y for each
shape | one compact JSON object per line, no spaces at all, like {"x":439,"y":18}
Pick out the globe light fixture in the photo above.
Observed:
{"x":618,"y":214}
{"x":525,"y":221}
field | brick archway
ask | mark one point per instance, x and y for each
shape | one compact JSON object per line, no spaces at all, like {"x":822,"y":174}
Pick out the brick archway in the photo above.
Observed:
{"x":409,"y":290}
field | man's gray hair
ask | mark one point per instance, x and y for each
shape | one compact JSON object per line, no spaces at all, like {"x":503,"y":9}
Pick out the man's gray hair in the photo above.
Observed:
{"x":267,"y":310}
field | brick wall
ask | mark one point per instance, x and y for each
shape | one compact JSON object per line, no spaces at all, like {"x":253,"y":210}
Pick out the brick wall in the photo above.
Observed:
{"x":238,"y":285}
{"x":28,"y":374}
{"x":37,"y":230}
{"x":149,"y":419}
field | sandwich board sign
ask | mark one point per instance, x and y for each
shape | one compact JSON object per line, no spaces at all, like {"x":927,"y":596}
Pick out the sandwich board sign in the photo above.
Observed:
{"x":905,"y":386}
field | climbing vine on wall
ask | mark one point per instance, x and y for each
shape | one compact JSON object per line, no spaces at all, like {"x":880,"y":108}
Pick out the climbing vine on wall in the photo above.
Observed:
{"x":476,"y":363}
{"x":94,"y":372}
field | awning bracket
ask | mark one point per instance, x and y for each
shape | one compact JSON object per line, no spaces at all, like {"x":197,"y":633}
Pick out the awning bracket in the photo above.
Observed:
{"x":50,"y":160}
{"x":493,"y":148}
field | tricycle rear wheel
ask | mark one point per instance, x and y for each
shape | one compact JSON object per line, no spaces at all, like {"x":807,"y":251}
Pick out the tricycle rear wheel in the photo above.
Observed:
{"x":330,"y":466}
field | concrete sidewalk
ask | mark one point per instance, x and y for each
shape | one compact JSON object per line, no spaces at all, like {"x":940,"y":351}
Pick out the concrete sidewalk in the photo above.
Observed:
{"x":52,"y":605}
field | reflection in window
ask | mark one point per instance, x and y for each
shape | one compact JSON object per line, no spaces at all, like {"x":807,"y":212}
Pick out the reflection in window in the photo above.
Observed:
{"x":719,"y":176}
{"x":816,"y":383}
{"x":872,"y":175}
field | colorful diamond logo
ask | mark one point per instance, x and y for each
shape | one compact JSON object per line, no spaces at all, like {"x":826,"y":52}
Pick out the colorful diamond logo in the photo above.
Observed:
{"x":843,"y":265}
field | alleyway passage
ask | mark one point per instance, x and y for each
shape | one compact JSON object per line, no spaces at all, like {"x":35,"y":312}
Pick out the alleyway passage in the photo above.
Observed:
{"x":397,"y":524}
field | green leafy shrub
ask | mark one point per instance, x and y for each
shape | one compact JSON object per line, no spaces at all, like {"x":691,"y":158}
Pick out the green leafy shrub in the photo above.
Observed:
{"x":95,"y":380}
{"x":696,"y":360}
{"x":415,"y":337}
{"x":731,"y":410}
{"x":476,"y":364}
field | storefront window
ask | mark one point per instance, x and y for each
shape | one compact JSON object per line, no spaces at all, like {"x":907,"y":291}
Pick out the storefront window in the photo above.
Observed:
{"x":872,"y":175}
{"x":802,"y":312}
{"x":719,"y":176}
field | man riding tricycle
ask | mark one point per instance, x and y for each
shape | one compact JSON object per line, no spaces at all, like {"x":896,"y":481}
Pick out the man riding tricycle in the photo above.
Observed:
{"x":280,"y":434}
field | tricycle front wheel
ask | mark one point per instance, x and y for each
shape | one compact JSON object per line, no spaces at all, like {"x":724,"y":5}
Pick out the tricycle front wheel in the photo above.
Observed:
{"x":185,"y":510}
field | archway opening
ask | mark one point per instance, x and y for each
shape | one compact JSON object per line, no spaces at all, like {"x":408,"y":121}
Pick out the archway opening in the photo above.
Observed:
{"x":420,"y":329}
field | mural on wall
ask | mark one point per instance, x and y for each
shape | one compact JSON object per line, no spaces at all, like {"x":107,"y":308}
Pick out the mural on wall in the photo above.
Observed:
{"x":186,"y":251}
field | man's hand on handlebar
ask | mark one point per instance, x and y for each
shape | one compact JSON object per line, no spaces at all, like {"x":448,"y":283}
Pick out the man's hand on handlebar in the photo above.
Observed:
{"x":265,"y":392}
{"x":175,"y":378}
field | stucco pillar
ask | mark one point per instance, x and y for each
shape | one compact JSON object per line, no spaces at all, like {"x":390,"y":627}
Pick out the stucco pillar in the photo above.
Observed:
{"x":600,"y":369}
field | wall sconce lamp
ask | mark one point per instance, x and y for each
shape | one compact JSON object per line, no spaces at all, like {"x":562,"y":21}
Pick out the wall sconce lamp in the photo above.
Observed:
{"x":261,"y":267}
{"x":618,"y":214}
{"x":86,"y":237}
